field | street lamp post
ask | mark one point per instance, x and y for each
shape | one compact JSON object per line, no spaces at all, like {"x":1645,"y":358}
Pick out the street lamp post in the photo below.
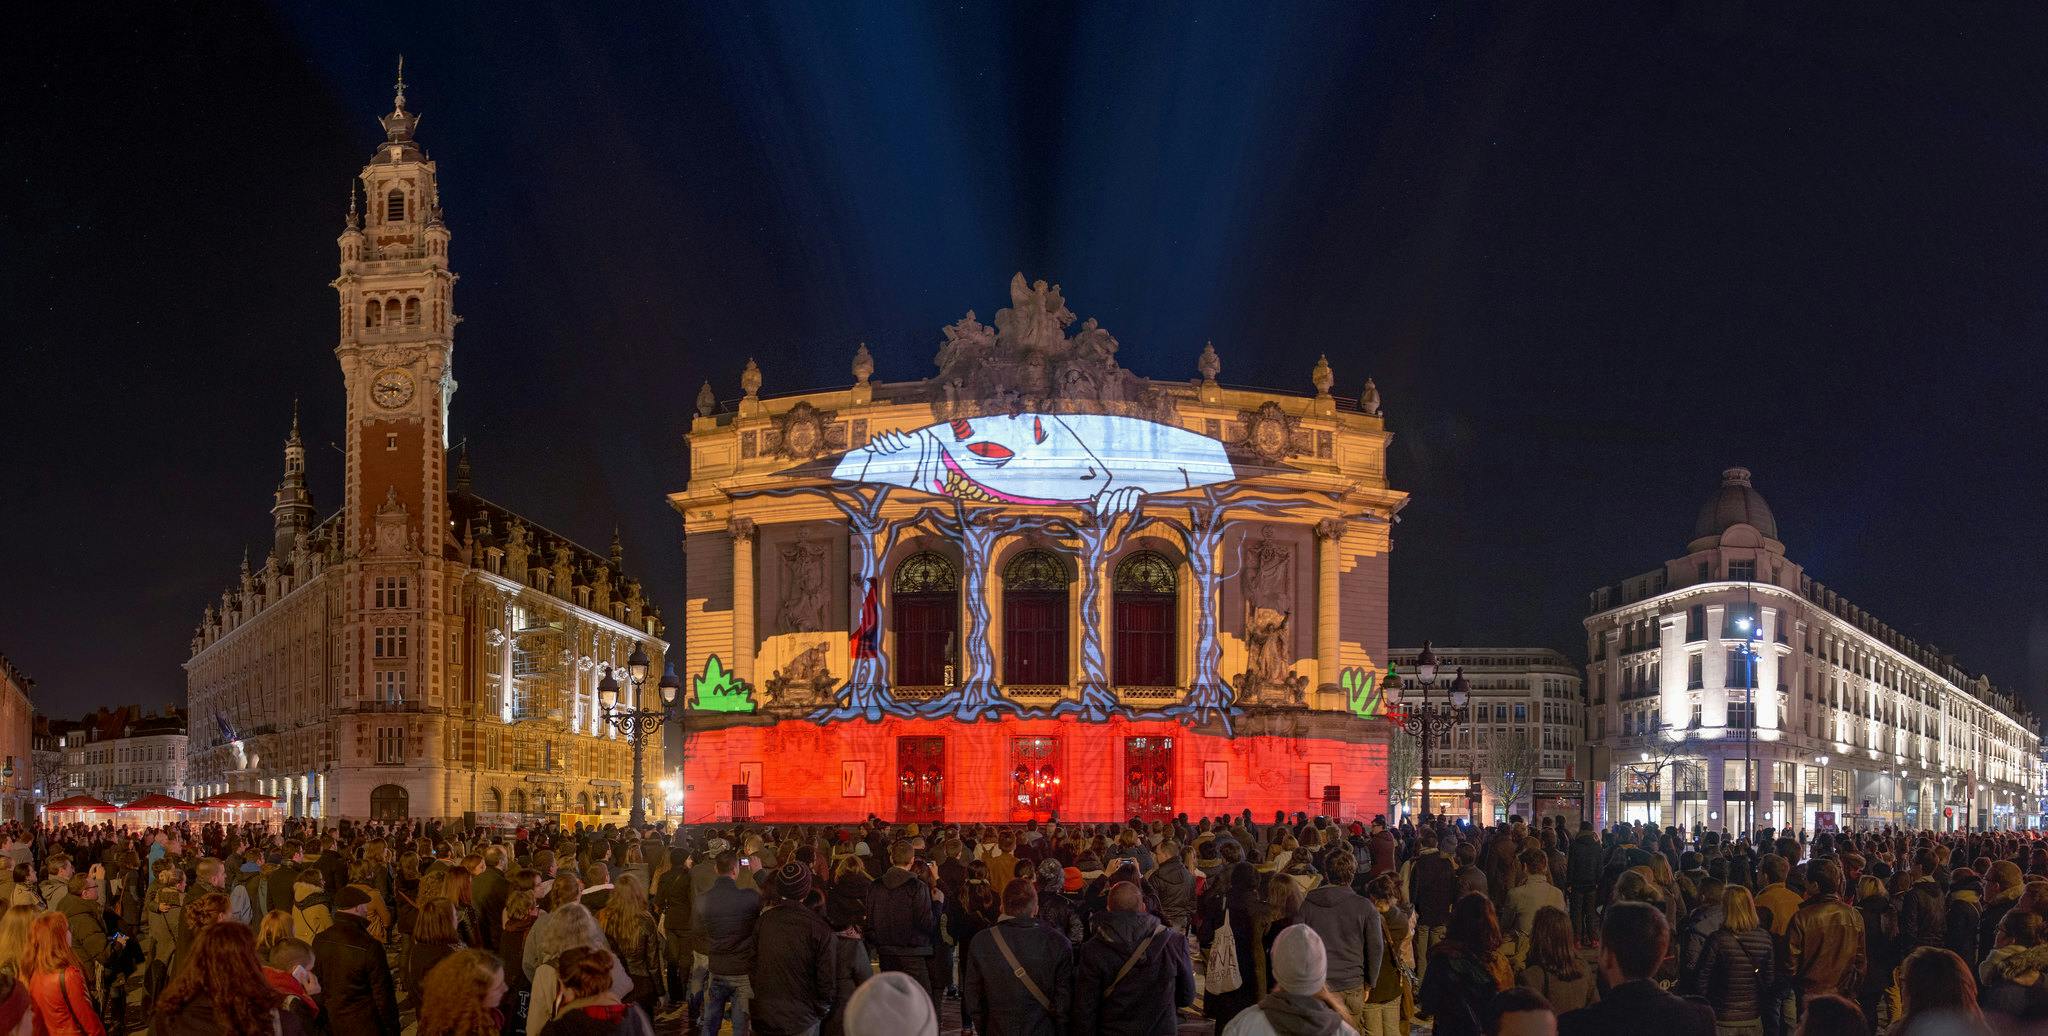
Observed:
{"x":1427,"y":720}
{"x":635,"y":722}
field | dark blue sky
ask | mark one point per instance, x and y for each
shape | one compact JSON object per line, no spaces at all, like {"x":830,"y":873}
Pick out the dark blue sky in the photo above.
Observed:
{"x":1592,"y":255}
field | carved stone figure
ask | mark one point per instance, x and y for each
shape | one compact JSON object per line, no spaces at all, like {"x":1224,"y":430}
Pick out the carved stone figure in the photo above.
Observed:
{"x":802,"y":605}
{"x":391,"y":535}
{"x":1209,"y":365}
{"x":1268,"y":678}
{"x":805,"y":681}
{"x":863,"y":365}
{"x":564,"y":569}
{"x":1027,"y":362}
{"x":1269,"y":574}
{"x":750,"y":380}
{"x":1369,"y":398}
{"x":707,"y":401}
{"x":517,"y":551}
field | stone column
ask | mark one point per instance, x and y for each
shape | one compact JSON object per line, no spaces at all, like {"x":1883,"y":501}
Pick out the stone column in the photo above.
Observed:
{"x":1329,"y":565}
{"x":742,"y":532}
{"x":1717,"y":788}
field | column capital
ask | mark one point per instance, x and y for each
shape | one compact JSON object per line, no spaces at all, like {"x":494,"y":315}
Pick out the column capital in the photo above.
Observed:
{"x":1331,"y":529}
{"x":740,"y":528}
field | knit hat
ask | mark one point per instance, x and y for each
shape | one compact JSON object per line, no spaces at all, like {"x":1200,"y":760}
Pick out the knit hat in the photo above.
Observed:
{"x":861,"y":849}
{"x":1300,"y":964}
{"x":891,"y":1004}
{"x":717,"y":845}
{"x":1050,"y":874}
{"x":793,"y":881}
{"x":1074,"y":879}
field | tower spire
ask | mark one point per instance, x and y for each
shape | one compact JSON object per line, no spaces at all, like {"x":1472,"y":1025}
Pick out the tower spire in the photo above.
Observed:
{"x":291,"y":509}
{"x":398,"y":101}
{"x":399,"y":125}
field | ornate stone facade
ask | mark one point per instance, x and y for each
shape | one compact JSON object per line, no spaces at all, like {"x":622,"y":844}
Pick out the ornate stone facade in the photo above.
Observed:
{"x":420,"y":651}
{"x":1038,"y":537}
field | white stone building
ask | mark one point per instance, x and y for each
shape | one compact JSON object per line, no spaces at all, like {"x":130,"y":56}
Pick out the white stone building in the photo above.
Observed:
{"x":1845,"y":720}
{"x":1520,"y":746}
{"x":120,"y":755}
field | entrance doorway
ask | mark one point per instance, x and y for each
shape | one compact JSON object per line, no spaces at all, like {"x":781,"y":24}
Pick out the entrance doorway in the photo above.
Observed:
{"x":1148,"y":777}
{"x":920,"y":780}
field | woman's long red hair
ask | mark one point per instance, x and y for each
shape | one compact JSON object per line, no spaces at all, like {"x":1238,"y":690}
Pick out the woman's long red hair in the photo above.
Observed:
{"x":225,"y":971}
{"x":49,"y":945}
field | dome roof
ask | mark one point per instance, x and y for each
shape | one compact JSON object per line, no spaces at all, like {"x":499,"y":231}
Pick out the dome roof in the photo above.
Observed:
{"x":1736,"y":502}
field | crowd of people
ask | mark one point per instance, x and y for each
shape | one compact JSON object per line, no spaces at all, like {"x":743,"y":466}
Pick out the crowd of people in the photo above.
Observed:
{"x":1296,"y":927}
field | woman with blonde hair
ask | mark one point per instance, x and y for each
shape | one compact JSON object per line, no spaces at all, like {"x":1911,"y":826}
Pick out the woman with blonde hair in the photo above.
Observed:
{"x":14,"y":925}
{"x":462,"y":995}
{"x":630,"y":931}
{"x":56,"y":981}
{"x":273,"y":928}
{"x":1737,"y":966}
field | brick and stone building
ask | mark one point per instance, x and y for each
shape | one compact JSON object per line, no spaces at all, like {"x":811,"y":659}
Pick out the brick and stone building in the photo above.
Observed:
{"x":419,"y":650}
{"x":123,"y":754}
{"x":17,"y":752}
{"x":1732,"y":668}
{"x":1035,"y":583}
{"x":1521,"y":743}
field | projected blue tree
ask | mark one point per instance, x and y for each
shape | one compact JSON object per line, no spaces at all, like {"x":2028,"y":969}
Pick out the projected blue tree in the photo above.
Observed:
{"x":1210,"y":697}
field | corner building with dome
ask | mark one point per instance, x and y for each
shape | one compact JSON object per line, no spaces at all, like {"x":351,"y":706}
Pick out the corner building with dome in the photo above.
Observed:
{"x":1730,"y":675}
{"x":418,"y":651}
{"x":1035,"y":584}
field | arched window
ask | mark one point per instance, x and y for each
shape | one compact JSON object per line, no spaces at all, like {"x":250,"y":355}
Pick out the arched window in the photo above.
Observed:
{"x":494,"y":800}
{"x":373,"y":313}
{"x":582,"y":802}
{"x":518,"y":801}
{"x":924,"y":613}
{"x":394,"y":206}
{"x":1144,"y":621}
{"x":1035,"y":620}
{"x":412,"y":311}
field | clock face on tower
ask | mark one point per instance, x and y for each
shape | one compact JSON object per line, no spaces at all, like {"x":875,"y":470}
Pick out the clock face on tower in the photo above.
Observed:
{"x":392,"y":389}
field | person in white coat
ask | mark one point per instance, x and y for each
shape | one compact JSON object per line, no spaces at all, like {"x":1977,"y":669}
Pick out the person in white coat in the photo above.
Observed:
{"x":1300,"y":1005}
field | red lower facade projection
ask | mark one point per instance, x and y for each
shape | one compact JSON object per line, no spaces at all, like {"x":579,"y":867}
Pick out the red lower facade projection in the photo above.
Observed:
{"x":1010,"y":771}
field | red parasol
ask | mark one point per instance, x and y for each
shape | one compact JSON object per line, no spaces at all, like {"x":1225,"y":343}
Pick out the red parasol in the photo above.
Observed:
{"x":154,"y":801}
{"x":80,"y":804}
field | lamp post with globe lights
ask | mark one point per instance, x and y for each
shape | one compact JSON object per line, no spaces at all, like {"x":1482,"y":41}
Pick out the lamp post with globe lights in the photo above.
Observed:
{"x":636,"y":723}
{"x":1427,"y":720}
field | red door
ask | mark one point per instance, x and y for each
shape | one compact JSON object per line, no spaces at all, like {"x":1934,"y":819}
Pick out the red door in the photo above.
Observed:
{"x":920,"y":780}
{"x":924,"y":625}
{"x":1142,"y":649}
{"x":1034,"y":638}
{"x":1148,"y":777}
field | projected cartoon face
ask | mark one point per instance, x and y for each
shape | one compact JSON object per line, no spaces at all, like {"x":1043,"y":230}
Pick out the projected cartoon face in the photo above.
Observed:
{"x":1107,"y":461}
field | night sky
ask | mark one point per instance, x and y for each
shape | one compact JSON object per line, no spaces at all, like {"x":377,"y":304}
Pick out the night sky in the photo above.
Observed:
{"x":1592,"y":255}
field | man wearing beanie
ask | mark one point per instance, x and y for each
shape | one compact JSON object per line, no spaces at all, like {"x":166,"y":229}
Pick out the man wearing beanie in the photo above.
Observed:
{"x":1133,"y":973}
{"x":793,"y":977}
{"x":1298,"y":1005}
{"x":891,"y":1004}
{"x":1055,"y":910}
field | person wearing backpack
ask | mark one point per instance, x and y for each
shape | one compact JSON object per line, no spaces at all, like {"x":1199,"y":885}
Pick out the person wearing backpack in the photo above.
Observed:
{"x":1017,"y":975}
{"x":1133,"y":974}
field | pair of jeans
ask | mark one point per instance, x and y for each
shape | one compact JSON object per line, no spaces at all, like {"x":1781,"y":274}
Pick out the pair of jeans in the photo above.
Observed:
{"x":737,"y":990}
{"x":1426,"y":936}
{"x":1585,"y":904}
{"x":918,"y":967}
{"x":1380,"y":1019}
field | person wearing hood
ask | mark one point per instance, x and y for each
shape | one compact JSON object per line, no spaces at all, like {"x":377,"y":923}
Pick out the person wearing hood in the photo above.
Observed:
{"x":2011,"y":979}
{"x":900,"y":912}
{"x":1133,"y":974}
{"x":1017,"y":976}
{"x":1350,"y":936}
{"x":1174,"y":884}
{"x":312,"y":911}
{"x":1055,"y":907}
{"x":1300,"y":1004}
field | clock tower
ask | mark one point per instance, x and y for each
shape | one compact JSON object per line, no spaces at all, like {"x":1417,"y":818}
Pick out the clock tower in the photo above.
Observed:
{"x":396,"y":350}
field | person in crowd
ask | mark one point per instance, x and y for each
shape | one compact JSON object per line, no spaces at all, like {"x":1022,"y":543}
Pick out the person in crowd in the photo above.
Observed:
{"x":728,"y":914}
{"x":565,"y":928}
{"x":1351,"y":935}
{"x":57,"y":983}
{"x":589,"y":1005}
{"x":1552,"y":967}
{"x":1465,"y":970}
{"x":2010,"y":980}
{"x":489,"y":891}
{"x":1017,"y":975}
{"x":901,"y":914}
{"x":223,"y":992}
{"x":1634,"y":939}
{"x":289,"y":970}
{"x":793,"y":981}
{"x":1386,"y":998}
{"x":892,"y":1003}
{"x":521,"y":912}
{"x":14,"y":928}
{"x":634,"y":938}
{"x":1301,"y":1001}
{"x":1831,"y":1015}
{"x":851,"y":965}
{"x":1824,"y":944}
{"x":434,"y":939}
{"x":1937,"y":993}
{"x":462,"y":995}
{"x":1231,"y":911}
{"x":1738,"y":966}
{"x":354,"y":970}
{"x":1133,"y":975}
{"x":312,"y":910}
{"x":1431,"y":880}
{"x":1520,"y":1011}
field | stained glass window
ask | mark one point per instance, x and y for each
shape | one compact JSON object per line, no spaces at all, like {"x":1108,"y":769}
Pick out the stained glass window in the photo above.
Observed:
{"x":926,"y":573}
{"x":1144,"y":572}
{"x":1035,"y":570}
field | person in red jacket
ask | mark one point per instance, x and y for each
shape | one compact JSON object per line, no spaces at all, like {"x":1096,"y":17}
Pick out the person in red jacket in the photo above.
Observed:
{"x":57,"y":984}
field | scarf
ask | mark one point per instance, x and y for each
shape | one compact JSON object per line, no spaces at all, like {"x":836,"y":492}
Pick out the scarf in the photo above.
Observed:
{"x":1291,"y":1014}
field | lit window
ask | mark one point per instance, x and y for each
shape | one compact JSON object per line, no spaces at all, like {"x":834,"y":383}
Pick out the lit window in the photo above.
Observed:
{"x":394,"y":206}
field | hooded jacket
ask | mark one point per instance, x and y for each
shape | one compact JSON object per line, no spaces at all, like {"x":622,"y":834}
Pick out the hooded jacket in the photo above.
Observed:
{"x":1147,"y":1000}
{"x":1963,"y":915}
{"x":1176,"y":890}
{"x":1352,"y":935}
{"x":312,"y":912}
{"x":900,"y":915}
